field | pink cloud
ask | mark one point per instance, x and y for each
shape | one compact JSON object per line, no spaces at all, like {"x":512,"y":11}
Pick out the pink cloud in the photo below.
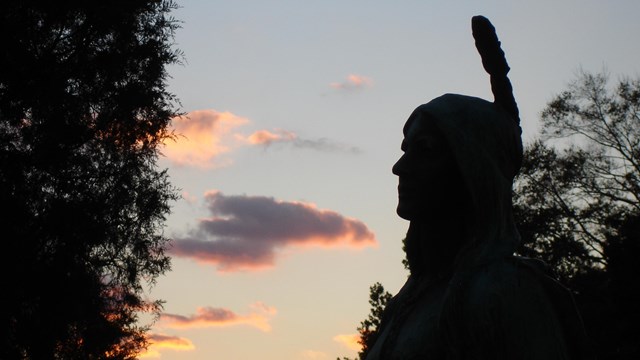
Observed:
{"x":353,"y":82}
{"x":247,"y":232}
{"x":266,"y":137}
{"x":190,"y":199}
{"x":351,"y":341}
{"x":204,"y":137}
{"x":258,"y":317}
{"x":201,"y":138}
{"x":160,"y":341}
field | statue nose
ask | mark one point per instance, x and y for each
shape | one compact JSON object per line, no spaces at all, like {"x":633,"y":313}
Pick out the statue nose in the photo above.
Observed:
{"x":399,"y":168}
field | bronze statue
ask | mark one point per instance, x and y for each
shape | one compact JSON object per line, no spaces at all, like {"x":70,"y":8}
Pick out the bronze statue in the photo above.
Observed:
{"x":468,"y":296}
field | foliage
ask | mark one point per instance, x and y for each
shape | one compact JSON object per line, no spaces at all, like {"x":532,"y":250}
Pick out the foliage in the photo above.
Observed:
{"x":555,"y":220}
{"x":83,"y":108}
{"x":368,"y":329}
{"x":405,"y":261}
{"x":578,"y":207}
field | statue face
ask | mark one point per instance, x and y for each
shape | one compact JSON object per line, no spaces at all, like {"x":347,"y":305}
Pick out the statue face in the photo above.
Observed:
{"x":428,"y":176}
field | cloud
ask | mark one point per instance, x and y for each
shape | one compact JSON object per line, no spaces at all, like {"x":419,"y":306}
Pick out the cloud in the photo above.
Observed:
{"x":190,"y":199}
{"x":351,"y":341}
{"x":247,"y":232}
{"x":324,"y":144}
{"x":201,"y":138}
{"x":149,"y":353}
{"x":258,"y":317}
{"x":353,"y":82}
{"x":160,"y":341}
{"x":170,"y":342}
{"x":267,"y":138}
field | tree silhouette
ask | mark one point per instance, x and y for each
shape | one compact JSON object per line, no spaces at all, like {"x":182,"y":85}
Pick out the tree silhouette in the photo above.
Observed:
{"x":83,"y":108}
{"x":578,"y":207}
{"x":368,"y":329}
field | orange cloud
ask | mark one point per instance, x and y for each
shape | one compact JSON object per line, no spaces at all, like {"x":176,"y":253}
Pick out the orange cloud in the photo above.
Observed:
{"x":247,"y":232}
{"x":353,"y":82}
{"x":201,"y":138}
{"x":150,"y":353}
{"x":258,"y":317}
{"x":351,"y":341}
{"x":160,"y":341}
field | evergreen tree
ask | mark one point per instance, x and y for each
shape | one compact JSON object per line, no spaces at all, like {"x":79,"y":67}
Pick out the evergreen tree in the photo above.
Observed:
{"x":83,"y":109}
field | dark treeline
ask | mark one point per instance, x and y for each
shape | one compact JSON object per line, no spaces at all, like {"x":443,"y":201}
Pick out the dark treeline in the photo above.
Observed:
{"x":83,"y":109}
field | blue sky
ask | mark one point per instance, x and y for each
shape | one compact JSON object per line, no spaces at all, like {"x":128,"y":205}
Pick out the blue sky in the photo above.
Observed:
{"x":295,"y":111}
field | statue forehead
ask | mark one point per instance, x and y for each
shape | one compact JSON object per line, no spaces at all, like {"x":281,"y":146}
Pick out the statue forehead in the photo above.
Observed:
{"x":455,"y":111}
{"x":419,"y":122}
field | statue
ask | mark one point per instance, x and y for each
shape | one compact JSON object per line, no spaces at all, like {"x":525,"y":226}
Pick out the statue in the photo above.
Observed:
{"x":468,"y":296}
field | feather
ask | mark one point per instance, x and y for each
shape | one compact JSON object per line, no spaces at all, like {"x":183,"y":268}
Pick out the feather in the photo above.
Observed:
{"x":495,"y":64}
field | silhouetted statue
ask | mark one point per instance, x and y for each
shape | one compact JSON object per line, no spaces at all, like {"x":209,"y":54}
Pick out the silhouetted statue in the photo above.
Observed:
{"x":468,"y":296}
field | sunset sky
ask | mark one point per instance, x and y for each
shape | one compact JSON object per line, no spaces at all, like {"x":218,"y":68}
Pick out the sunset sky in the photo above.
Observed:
{"x":294,"y":115}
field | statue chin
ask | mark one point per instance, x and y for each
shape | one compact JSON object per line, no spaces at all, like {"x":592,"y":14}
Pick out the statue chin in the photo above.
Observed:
{"x":403,"y":215}
{"x":405,"y":211}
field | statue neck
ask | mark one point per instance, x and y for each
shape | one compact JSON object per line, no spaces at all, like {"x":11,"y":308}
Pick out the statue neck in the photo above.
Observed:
{"x":432,"y":246}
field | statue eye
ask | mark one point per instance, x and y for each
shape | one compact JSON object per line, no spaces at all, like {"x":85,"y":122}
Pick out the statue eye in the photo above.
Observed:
{"x":426,"y":145}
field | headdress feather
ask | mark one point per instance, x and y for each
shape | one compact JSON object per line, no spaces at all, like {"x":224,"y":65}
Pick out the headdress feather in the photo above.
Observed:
{"x":495,"y":63}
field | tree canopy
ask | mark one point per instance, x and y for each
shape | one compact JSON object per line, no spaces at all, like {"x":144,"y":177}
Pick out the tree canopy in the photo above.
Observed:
{"x":589,"y":183}
{"x":577,"y":202}
{"x":83,"y":108}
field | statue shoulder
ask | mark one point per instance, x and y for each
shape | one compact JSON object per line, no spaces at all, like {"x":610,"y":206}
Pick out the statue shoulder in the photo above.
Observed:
{"x":506,"y":313}
{"x":501,"y":280}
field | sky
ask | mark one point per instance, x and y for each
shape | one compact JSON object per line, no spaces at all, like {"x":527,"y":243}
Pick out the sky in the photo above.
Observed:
{"x":293,"y":120}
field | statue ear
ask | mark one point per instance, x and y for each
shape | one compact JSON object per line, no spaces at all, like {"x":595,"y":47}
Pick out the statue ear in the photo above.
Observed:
{"x":495,"y":64}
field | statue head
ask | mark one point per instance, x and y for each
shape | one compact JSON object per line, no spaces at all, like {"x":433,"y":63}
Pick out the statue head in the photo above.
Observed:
{"x":445,"y":138}
{"x":461,"y":155}
{"x":428,"y":178}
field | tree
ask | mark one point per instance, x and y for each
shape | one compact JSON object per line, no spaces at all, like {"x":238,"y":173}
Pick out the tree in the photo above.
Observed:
{"x":83,"y":109}
{"x":368,"y":329}
{"x":548,"y":207}
{"x":578,"y":205}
